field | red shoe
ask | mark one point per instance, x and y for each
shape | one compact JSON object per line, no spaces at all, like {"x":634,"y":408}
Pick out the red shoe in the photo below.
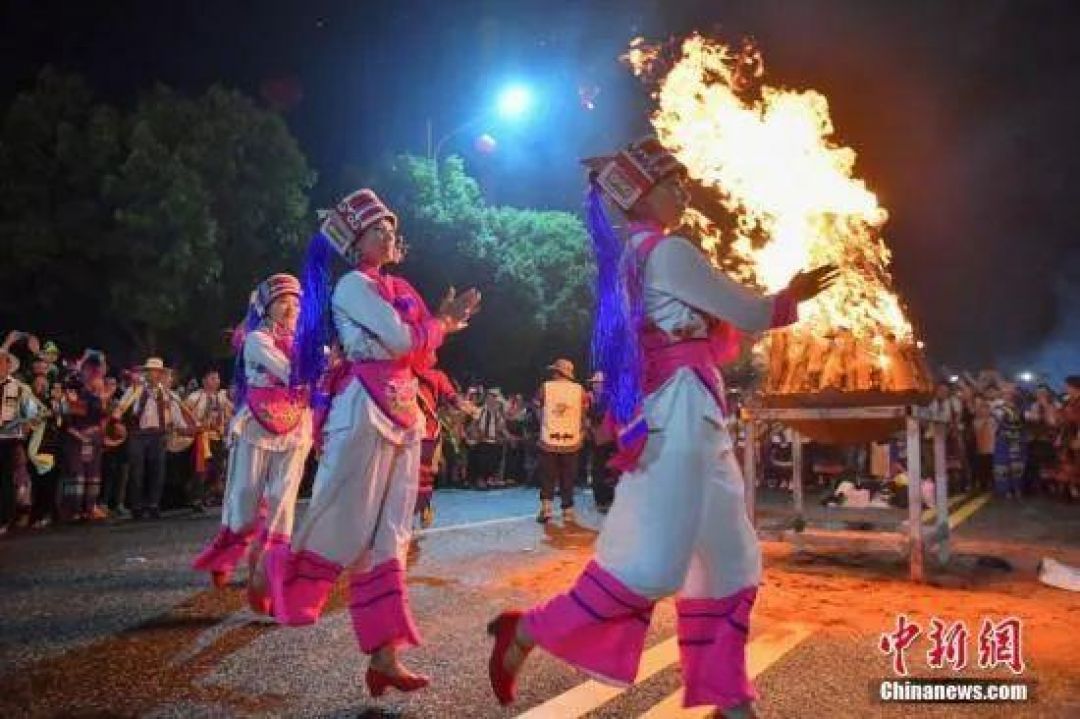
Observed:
{"x":503,"y":681}
{"x":219,"y":578}
{"x":259,"y":600}
{"x":377,"y":682}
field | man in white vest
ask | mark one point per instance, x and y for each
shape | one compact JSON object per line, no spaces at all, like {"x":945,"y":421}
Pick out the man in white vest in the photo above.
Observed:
{"x":562,"y":411}
{"x":152,"y":410}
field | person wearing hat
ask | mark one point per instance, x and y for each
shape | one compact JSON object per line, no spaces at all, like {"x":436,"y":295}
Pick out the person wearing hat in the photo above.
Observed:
{"x":601,"y":448}
{"x":665,"y":320}
{"x":563,"y":403}
{"x":18,"y":408}
{"x":151,"y":411}
{"x":270,"y":439}
{"x":365,"y":488}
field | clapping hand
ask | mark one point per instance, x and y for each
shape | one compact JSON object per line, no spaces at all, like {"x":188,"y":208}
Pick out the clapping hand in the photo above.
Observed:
{"x":455,"y":310}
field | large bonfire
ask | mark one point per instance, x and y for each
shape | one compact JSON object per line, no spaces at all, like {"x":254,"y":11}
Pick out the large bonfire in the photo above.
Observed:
{"x":767,"y":158}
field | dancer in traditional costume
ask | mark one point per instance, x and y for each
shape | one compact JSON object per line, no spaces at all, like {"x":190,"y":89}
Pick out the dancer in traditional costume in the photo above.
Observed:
{"x":361,"y":509}
{"x":269,"y":439}
{"x":678,"y":523}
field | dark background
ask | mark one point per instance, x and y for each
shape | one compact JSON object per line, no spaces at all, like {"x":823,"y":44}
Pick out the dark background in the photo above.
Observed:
{"x":965,"y":114}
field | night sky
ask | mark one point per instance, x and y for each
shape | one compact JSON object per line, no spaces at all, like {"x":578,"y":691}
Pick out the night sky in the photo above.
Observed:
{"x":965,"y":114}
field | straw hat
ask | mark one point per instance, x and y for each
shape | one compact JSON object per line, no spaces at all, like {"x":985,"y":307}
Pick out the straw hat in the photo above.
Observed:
{"x":564,"y":367}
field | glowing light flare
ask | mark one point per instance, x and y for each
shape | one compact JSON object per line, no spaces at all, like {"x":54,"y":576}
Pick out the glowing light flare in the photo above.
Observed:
{"x":514,"y":101}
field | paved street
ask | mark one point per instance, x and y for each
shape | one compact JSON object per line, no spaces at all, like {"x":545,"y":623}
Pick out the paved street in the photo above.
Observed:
{"x":110,"y":621}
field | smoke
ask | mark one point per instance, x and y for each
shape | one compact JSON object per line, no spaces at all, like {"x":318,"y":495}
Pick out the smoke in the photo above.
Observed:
{"x":1059,"y":354}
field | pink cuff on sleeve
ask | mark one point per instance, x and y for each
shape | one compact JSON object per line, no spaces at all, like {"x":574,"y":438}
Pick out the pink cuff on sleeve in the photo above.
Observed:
{"x":785,"y":310}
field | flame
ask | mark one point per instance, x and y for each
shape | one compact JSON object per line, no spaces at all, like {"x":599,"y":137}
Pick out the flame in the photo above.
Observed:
{"x":771,"y":157}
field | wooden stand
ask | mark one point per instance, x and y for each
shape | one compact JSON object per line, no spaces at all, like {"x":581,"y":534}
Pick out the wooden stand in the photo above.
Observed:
{"x":910,"y":536}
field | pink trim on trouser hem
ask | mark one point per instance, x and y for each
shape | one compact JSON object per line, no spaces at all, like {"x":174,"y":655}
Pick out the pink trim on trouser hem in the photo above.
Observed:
{"x":299,"y":584}
{"x":227,"y":547}
{"x":712,"y":649}
{"x":379,"y":606}
{"x":598,"y":626}
{"x":224,"y":552}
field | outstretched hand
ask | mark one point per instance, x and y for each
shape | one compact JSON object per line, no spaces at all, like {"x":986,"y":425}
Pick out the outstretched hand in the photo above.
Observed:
{"x":455,"y":310}
{"x":808,"y":284}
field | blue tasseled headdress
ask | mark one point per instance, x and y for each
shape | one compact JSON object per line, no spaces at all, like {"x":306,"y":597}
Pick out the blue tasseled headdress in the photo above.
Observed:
{"x":315,"y":326}
{"x":251,"y":323}
{"x":619,"y":313}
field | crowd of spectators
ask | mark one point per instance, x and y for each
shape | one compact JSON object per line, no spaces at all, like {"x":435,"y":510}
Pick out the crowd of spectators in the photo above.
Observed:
{"x":83,"y":442}
{"x":1015,"y":437}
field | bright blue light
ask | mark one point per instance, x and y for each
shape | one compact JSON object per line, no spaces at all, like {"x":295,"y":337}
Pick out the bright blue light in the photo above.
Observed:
{"x":514,"y":101}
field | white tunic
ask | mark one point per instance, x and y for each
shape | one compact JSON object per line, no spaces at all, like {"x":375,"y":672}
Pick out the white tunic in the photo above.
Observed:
{"x":682,"y":289}
{"x":370,"y":329}
{"x":263,"y":362}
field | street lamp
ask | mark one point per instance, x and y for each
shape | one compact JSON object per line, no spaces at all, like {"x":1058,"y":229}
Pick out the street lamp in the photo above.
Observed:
{"x":511,"y":104}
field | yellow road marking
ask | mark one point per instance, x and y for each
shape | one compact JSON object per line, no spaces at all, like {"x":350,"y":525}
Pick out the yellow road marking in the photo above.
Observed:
{"x":964,"y":513}
{"x":929,"y":514}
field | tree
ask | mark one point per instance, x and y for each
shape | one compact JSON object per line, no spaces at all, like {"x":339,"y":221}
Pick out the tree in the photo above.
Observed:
{"x":164,"y":229}
{"x":226,"y":189}
{"x":147,"y":230}
{"x":56,"y":146}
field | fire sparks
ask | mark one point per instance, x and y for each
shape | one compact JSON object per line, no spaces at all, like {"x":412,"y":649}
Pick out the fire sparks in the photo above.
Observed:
{"x":769,"y":157}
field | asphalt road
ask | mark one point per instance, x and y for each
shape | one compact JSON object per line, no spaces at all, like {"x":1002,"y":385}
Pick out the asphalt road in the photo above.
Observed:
{"x":99,"y":621}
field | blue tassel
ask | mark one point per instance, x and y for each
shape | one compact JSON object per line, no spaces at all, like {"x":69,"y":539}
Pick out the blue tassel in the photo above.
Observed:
{"x":315,"y":326}
{"x":619,"y":313}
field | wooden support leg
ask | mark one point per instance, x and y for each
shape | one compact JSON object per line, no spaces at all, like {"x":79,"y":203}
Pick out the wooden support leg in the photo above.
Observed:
{"x":914,"y":472}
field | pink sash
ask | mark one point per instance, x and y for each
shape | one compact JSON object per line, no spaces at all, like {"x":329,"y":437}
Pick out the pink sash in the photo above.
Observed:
{"x":391,"y":384}
{"x":393,"y":387}
{"x":278,"y":409}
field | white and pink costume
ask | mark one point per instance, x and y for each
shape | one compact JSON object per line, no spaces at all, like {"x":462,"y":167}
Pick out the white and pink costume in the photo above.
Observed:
{"x":269,"y":440}
{"x":361,"y":509}
{"x":678,"y":524}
